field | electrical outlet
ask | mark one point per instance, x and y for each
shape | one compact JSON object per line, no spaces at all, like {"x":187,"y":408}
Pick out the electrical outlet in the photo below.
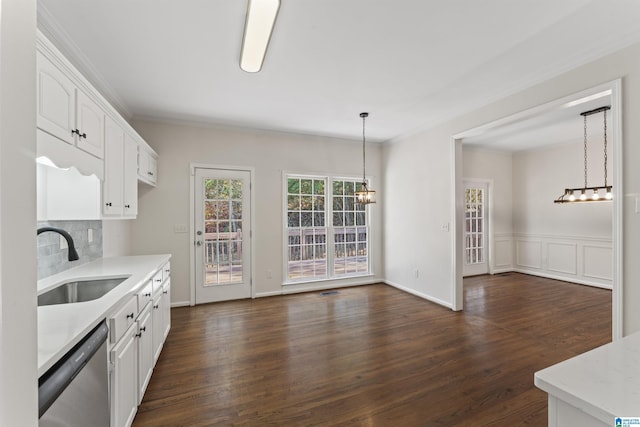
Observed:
{"x":90,"y":235}
{"x":416,"y":273}
{"x":445,"y":226}
{"x":269,"y":274}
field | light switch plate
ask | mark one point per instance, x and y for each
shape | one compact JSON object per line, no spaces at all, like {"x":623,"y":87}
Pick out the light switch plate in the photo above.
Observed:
{"x":180,"y":228}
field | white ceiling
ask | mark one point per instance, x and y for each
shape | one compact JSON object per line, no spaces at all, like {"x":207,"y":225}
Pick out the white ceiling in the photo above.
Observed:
{"x":410,"y":63}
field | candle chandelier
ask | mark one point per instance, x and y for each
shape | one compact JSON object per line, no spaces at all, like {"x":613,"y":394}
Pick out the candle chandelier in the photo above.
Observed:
{"x":365,"y":196}
{"x":590,"y":194}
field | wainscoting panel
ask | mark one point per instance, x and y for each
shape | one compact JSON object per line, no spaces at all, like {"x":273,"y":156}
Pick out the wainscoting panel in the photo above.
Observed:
{"x":502,"y":253}
{"x":528,"y":253}
{"x":598,"y":262}
{"x":584,"y":260}
{"x":562,"y":257}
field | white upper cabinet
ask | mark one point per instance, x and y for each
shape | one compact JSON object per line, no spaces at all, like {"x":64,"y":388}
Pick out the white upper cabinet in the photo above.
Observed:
{"x":120,"y":187}
{"x":79,"y":129}
{"x":66,"y":112}
{"x":90,"y":121}
{"x":130,"y":184}
{"x":56,"y":101}
{"x":147,"y":166}
{"x":113,"y":186}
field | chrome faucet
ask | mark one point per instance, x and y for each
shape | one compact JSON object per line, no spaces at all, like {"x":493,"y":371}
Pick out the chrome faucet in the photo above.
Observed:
{"x":73,"y":255}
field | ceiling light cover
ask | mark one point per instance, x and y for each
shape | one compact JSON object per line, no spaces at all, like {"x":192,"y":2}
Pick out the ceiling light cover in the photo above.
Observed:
{"x":261,"y":17}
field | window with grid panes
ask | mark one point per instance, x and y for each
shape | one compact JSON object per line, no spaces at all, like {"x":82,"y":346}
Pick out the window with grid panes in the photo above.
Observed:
{"x":306,"y":228}
{"x":350,"y":231}
{"x":322,"y":210}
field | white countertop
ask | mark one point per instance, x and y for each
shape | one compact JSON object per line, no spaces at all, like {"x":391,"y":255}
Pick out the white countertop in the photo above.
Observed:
{"x":62,"y":326}
{"x":604,"y":382}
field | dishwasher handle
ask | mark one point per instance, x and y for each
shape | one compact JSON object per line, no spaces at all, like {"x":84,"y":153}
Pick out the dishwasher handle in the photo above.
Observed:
{"x":56,"y":379}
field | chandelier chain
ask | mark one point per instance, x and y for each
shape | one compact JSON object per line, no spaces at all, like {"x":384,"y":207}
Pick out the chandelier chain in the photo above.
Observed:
{"x":585,"y":152}
{"x":364,"y":159}
{"x":605,"y":148}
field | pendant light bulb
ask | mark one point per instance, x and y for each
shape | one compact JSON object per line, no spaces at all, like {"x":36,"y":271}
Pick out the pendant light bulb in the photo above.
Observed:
{"x":572,"y":197}
{"x":595,"y":196}
{"x":583,"y":195}
{"x":609,"y":194}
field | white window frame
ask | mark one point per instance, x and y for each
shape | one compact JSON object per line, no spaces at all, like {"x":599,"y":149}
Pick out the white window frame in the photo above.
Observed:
{"x":329,"y":179}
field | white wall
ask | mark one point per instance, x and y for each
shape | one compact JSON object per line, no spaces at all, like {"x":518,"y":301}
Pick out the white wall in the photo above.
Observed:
{"x":116,"y":237}
{"x":413,"y":164}
{"x":270,"y":153}
{"x":18,"y":333}
{"x":540,"y":176}
{"x":495,"y":166}
{"x":571,"y":242}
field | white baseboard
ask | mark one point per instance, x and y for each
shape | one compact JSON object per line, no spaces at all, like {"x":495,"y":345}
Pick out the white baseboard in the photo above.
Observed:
{"x":180,"y":304}
{"x":267,"y":294}
{"x":419,"y":294}
{"x":562,"y":278}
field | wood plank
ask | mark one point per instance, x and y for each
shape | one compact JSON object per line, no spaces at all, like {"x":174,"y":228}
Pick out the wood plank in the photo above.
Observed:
{"x":373,"y":355}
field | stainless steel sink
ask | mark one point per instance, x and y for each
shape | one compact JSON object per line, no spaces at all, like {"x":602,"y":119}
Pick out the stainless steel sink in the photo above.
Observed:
{"x":79,"y":291}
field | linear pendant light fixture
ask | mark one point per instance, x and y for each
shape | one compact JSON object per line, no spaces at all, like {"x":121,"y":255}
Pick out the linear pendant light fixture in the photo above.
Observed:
{"x":365,"y":196}
{"x":586,"y":193}
{"x":258,"y":26}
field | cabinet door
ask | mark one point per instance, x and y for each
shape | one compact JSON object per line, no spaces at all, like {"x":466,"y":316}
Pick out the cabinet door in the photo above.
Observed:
{"x":158,"y":325}
{"x":124,"y":379}
{"x":147,"y":167}
{"x":112,"y":187}
{"x":166,"y":308}
{"x":130,"y":177}
{"x":90,"y":123}
{"x":145,"y":351}
{"x":56,"y":101}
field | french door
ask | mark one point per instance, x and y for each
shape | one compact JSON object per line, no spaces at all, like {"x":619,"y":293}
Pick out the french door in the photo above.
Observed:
{"x":222,"y":224}
{"x":476,"y":242}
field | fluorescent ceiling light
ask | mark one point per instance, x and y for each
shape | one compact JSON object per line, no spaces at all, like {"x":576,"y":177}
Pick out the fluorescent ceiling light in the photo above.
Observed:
{"x":261,"y":17}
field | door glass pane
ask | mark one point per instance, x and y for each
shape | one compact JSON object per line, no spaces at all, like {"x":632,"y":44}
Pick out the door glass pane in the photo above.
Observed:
{"x":223,"y":238}
{"x":474,"y":225}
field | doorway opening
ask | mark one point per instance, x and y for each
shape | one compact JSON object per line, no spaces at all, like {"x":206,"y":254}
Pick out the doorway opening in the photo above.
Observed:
{"x":527,"y":121}
{"x":221,"y":226}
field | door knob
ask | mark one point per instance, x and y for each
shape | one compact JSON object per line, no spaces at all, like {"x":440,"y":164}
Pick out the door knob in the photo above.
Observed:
{"x":198,"y":242}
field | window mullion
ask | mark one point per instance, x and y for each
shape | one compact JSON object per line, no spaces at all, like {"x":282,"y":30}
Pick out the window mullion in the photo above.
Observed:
{"x":330,"y":228}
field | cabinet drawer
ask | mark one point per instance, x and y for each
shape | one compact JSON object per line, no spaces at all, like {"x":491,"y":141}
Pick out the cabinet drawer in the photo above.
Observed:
{"x":122,"y":319}
{"x":145,"y":295}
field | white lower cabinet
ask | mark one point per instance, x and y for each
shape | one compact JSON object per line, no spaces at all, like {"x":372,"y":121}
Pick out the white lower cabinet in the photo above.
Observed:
{"x":146,"y":316}
{"x":124,"y":379}
{"x":166,"y":308}
{"x":145,"y":350}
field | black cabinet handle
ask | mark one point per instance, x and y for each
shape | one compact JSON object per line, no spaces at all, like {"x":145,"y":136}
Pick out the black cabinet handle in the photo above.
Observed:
{"x":148,"y":294}
{"x":139,"y":334}
{"x":143,"y":329}
{"x":75,"y":131}
{"x":130,"y":316}
{"x":84,"y":135}
{"x":158,"y":280}
{"x":109,"y":204}
{"x":127,"y":206}
{"x":165,"y":292}
{"x":156,"y":306}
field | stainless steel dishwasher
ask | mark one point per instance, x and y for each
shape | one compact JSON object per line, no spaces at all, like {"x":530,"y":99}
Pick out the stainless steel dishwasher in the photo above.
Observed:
{"x":75,"y":391}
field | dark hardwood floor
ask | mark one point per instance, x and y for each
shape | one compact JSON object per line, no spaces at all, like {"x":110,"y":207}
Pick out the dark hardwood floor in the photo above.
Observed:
{"x":374,"y":356}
